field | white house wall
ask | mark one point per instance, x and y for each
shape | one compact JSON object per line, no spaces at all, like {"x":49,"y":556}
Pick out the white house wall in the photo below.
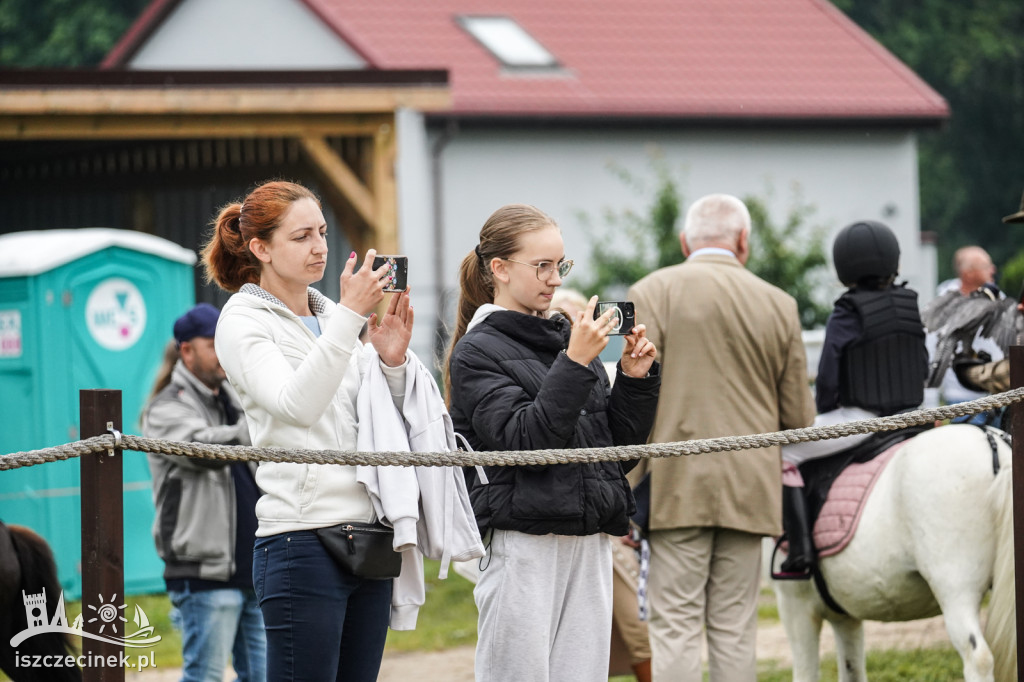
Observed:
{"x":845,"y":174}
{"x":244,"y":34}
{"x":416,"y":231}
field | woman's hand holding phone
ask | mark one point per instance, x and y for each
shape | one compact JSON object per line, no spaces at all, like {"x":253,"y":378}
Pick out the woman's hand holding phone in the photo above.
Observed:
{"x":362,"y":291}
{"x":391,"y":338}
{"x":638,"y":353}
{"x":589,"y":336}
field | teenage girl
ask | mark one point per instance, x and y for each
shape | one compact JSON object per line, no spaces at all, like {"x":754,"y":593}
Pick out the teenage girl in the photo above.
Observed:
{"x":519,"y":380}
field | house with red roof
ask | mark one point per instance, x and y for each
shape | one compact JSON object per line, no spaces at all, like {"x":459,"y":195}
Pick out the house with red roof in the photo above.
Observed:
{"x":749,"y":97}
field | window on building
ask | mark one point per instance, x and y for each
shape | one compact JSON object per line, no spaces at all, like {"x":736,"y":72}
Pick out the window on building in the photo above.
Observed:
{"x":508,"y":42}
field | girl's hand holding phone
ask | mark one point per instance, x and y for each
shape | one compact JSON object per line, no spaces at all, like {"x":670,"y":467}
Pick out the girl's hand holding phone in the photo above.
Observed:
{"x":589,"y":336}
{"x":638,"y":353}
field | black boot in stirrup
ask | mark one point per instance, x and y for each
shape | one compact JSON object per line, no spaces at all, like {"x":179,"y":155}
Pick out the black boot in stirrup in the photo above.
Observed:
{"x":797,"y":565}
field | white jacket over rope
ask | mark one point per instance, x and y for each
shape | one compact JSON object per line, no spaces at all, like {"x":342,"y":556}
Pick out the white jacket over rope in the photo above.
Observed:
{"x":428,"y":507}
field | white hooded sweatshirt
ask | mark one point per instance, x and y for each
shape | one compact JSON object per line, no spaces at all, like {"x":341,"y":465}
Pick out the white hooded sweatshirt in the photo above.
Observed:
{"x":299,"y":391}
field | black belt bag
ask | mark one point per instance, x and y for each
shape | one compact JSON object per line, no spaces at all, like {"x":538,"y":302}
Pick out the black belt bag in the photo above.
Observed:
{"x":364,"y":551}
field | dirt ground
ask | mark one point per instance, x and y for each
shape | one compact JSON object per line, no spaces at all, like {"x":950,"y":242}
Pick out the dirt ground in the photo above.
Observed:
{"x":456,"y":665}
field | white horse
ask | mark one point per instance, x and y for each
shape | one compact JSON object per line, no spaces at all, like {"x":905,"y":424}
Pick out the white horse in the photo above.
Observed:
{"x":935,"y":533}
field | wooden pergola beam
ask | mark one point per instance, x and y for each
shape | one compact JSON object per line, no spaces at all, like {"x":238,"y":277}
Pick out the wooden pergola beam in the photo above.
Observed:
{"x":135,"y":127}
{"x":221,"y":100}
{"x":333,"y":169}
{"x":375,"y":202}
{"x":306,"y":106}
{"x":385,"y":191}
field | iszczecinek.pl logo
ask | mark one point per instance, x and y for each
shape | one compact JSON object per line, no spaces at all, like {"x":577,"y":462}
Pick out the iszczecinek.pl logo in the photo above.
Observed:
{"x":105,"y":618}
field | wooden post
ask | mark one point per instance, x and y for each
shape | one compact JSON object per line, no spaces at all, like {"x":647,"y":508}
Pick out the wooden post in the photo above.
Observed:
{"x":1017,"y":429}
{"x":385,"y":192}
{"x":102,"y":536}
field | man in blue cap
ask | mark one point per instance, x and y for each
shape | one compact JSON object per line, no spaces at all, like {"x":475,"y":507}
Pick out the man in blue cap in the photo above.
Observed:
{"x":205,"y":510}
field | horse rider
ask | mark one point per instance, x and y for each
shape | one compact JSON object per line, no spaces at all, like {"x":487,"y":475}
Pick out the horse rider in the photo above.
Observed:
{"x":873,"y":363}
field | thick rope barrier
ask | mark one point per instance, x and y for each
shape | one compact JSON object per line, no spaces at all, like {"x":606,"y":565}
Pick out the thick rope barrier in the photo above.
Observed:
{"x":236,"y":453}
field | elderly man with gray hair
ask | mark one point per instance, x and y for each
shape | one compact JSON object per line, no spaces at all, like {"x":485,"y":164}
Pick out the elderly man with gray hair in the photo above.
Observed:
{"x":734,"y":364}
{"x":974,"y":268}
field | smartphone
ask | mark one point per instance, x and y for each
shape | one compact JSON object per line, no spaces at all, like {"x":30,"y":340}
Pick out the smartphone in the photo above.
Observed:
{"x":623,"y":319}
{"x":398,"y":267}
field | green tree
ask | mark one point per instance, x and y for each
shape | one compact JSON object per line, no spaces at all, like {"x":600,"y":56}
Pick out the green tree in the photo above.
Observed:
{"x":1011,"y":277}
{"x":971,"y":169}
{"x":653,"y":236}
{"x":62,"y":33}
{"x":790,"y":256}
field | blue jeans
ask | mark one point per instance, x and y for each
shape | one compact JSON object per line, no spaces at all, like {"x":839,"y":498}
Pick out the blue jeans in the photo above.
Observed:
{"x":979,"y":419}
{"x":992,"y":417}
{"x":322,"y":623}
{"x":218,"y":626}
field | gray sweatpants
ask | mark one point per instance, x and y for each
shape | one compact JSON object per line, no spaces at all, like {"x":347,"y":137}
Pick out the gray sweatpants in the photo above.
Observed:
{"x":545,"y":605}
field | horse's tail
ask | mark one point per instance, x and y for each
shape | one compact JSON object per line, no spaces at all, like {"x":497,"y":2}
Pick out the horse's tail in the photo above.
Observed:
{"x":39,"y":572}
{"x":1000,"y":629}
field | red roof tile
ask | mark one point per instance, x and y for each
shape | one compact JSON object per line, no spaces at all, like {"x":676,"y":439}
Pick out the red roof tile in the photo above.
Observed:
{"x":703,"y":59}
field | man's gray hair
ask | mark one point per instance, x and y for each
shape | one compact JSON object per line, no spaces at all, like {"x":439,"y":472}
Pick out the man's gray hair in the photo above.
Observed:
{"x":715,"y":218}
{"x":968,"y":257}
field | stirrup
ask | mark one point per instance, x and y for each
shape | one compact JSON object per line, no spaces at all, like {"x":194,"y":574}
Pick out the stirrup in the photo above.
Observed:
{"x":792,"y":575}
{"x":804,"y":574}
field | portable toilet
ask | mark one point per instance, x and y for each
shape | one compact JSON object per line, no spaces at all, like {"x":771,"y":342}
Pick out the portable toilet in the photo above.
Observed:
{"x":83,"y":309}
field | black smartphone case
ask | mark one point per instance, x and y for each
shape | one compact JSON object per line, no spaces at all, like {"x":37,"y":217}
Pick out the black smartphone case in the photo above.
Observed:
{"x":627,"y":315}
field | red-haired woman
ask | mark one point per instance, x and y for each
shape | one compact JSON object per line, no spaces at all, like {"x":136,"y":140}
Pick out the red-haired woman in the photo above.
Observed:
{"x":294,"y":358}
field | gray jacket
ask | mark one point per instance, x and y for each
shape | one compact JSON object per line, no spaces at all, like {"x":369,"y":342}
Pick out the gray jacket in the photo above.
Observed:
{"x":194,"y":527}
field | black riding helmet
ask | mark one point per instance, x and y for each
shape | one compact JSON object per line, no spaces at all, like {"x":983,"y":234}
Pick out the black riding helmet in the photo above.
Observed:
{"x":865,"y":249}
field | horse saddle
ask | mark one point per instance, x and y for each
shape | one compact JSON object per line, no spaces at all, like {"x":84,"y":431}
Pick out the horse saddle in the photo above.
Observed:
{"x":833,"y":513}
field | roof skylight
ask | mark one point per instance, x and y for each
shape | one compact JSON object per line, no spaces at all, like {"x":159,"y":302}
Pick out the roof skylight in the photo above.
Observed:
{"x":508,"y":41}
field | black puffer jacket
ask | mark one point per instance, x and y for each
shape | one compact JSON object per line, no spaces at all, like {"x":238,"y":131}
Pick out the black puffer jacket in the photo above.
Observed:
{"x":514,"y":389}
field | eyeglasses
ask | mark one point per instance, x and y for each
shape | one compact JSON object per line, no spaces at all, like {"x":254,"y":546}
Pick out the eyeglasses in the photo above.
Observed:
{"x":546,"y":267}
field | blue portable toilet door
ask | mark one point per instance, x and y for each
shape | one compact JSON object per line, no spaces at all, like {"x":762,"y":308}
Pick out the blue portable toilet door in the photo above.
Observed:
{"x":114,"y":345}
{"x":90,"y":308}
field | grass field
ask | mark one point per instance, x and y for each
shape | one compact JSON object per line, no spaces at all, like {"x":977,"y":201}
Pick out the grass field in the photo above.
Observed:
{"x":920,"y":665}
{"x":166,"y":652}
{"x":448,"y":619}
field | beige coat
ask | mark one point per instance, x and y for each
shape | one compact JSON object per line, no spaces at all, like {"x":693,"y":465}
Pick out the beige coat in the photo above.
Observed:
{"x":733,"y":363}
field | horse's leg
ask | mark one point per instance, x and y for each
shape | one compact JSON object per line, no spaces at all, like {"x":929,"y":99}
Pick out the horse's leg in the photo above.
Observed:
{"x":801,"y":611}
{"x":953,"y":535}
{"x":962,"y":623}
{"x":849,"y":648}
{"x":10,"y":598}
{"x":38,"y":573}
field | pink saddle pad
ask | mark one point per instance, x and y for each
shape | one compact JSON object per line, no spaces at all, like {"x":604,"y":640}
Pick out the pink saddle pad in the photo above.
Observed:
{"x":841,"y":512}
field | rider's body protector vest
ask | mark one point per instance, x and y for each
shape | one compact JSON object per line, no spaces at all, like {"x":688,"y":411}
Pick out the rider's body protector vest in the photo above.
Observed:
{"x":885,"y":368}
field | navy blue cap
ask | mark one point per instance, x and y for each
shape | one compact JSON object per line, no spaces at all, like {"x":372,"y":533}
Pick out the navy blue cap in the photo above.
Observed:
{"x":200,"y":320}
